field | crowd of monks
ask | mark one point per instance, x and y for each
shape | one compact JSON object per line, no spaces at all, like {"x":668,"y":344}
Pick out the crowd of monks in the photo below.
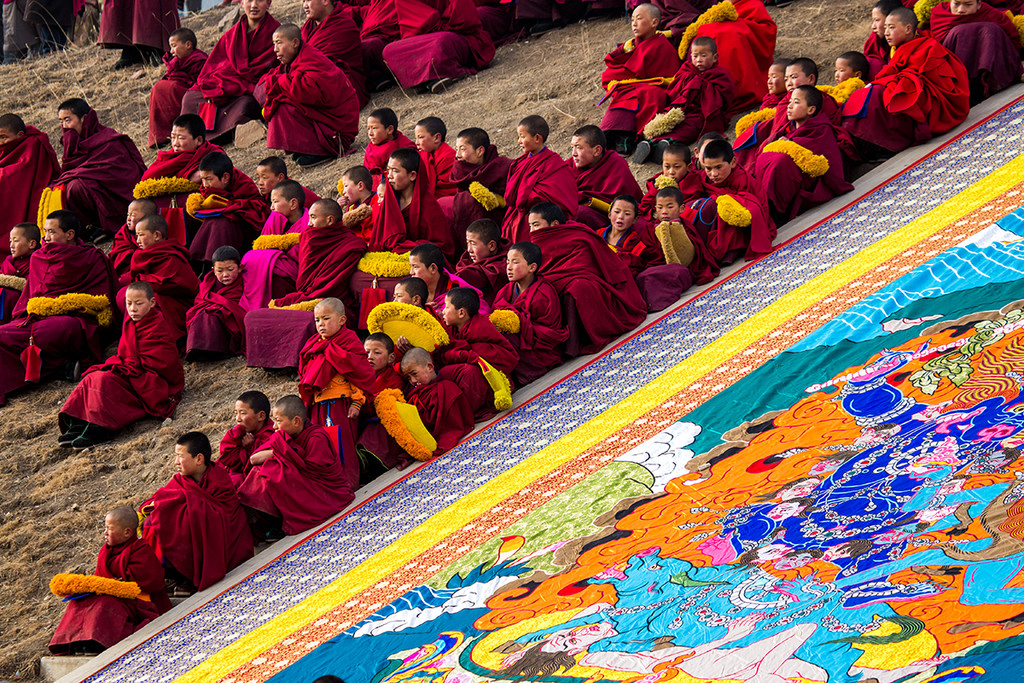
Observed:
{"x":443,"y":276}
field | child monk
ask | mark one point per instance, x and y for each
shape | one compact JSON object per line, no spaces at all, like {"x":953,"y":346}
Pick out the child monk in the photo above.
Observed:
{"x":629,"y":236}
{"x":675,"y":172}
{"x":378,"y":452}
{"x":385,"y":138}
{"x":194,"y":523}
{"x":380,"y":352}
{"x":144,"y":379}
{"x":437,"y":155}
{"x":427,"y":263}
{"x":331,"y":28}
{"x":851,"y":65}
{"x":483,"y":265}
{"x":126,"y":242}
{"x":407,"y":213}
{"x":542,"y":334}
{"x":252,"y":429}
{"x":357,"y":200}
{"x":273,"y":170}
{"x":232,"y":210}
{"x":182,"y":62}
{"x":538,"y":175}
{"x":27,"y":164}
{"x":297,"y":480}
{"x":656,"y":281}
{"x":335,"y":380}
{"x":273,"y":264}
{"x":601,"y":174}
{"x":473,"y":339}
{"x":876,"y":47}
{"x":216,"y":323}
{"x":758,"y":124}
{"x":480,"y":175}
{"x":96,"y":622}
{"x":24,"y":239}
{"x":165,"y":266}
{"x":442,"y":404}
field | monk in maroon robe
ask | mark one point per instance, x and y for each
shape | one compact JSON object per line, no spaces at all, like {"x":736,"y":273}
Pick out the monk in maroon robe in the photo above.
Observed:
{"x":437,"y":155}
{"x":96,"y":622}
{"x":252,"y":429}
{"x":476,"y":161}
{"x":385,"y":138}
{"x":27,"y":165}
{"x":408,"y":214}
{"x":876,"y":47}
{"x":601,"y":175}
{"x":482,"y":266}
{"x":139,"y":27}
{"x":237,"y":210}
{"x":182,"y":65}
{"x":194,"y":523}
{"x":216,"y":322}
{"x":378,"y":22}
{"x":331,"y":28}
{"x":498,"y":19}
{"x":25,"y":240}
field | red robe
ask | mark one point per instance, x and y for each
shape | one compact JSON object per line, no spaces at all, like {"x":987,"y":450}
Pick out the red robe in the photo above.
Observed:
{"x":987,"y":42}
{"x":143,"y":380}
{"x":580,"y":266}
{"x":488,"y":275}
{"x":12,"y":268}
{"x":198,"y":527}
{"x":105,"y":619}
{"x":705,"y":97}
{"x":690,"y":187}
{"x":631,"y":105}
{"x":337,"y":36}
{"x":99,"y":170}
{"x":535,"y":178}
{"x":165,"y":97}
{"x":310,"y":107}
{"x":171,"y":164}
{"x":749,"y":143}
{"x":746,"y":48}
{"x":125,"y":245}
{"x":877,"y":51}
{"x":728,"y":241}
{"x":478,"y":339}
{"x":438,"y":167}
{"x":492,"y":174}
{"x":165,"y":266}
{"x":444,"y":410}
{"x":943,"y":21}
{"x":606,"y":179}
{"x":327,"y":259}
{"x":376,"y":156}
{"x":388,"y":378}
{"x":124,"y":23}
{"x":216,"y":323}
{"x":302,"y":483}
{"x":399,"y":230}
{"x":234,"y":456}
{"x":236,"y":224}
{"x":542,"y":333}
{"x":27,"y":165}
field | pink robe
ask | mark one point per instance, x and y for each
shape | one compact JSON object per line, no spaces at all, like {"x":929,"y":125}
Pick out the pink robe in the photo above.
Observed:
{"x":271,"y":273}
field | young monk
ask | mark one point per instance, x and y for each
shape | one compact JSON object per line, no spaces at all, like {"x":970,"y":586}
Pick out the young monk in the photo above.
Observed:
{"x":923,"y":91}
{"x":273,"y":170}
{"x":851,"y":65}
{"x":483,"y":265}
{"x":194,"y":523}
{"x":273,"y":265}
{"x":675,"y":172}
{"x":631,"y":78}
{"x":357,"y":200}
{"x":27,"y":165}
{"x":876,"y":47}
{"x":223,"y":91}
{"x":380,"y":352}
{"x":385,"y":138}
{"x":542,"y":333}
{"x":232,"y":210}
{"x":538,"y":175}
{"x":600,"y":175}
{"x":126,"y":242}
{"x":407,"y":213}
{"x":758,"y":124}
{"x":442,"y":405}
{"x":216,"y":323}
{"x":58,"y":336}
{"x":633,"y":241}
{"x":297,"y":480}
{"x":144,"y":379}
{"x":252,"y":429}
{"x":331,"y":28}
{"x":25,"y":239}
{"x":96,"y":622}
{"x":164,"y":265}
{"x":480,"y":175}
{"x":437,"y":155}
{"x":426,"y":261}
{"x":182,"y":63}
{"x":663,"y":283}
{"x":310,"y":107}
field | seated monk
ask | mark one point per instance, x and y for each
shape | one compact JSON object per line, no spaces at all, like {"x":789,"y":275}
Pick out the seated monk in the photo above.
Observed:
{"x":385,"y":138}
{"x":331,"y":28}
{"x":437,"y":155}
{"x":876,"y":47}
{"x":675,"y":172}
{"x":164,"y":265}
{"x":144,"y":379}
{"x":297,"y":480}
{"x":482,"y":267}
{"x":479,"y":175}
{"x":271,"y":171}
{"x":99,"y":169}
{"x":497,"y":18}
{"x":126,"y":242}
{"x":27,"y":165}
{"x":223,"y":92}
{"x":182,"y":64}
{"x":25,"y":239}
{"x":252,"y":429}
{"x":984,"y":38}
{"x":231,"y":212}
{"x":677,"y":15}
{"x":850,"y":67}
{"x":50,"y":338}
{"x":273,"y":264}
{"x":97,"y":621}
{"x":440,"y":42}
{"x":601,"y":175}
{"x":358,"y":199}
{"x":653,"y":280}
{"x":634,"y":76}
{"x":310,"y":107}
{"x":923,"y":91}
{"x":216,"y":323}
{"x":538,"y":175}
{"x":194,"y":523}
{"x":541,"y":16}
{"x":427,"y":263}
{"x":378,"y":26}
{"x":140,"y":28}
{"x":605,"y":301}
{"x":761,"y":121}
{"x":373,"y":439}
{"x":407,"y":213}
{"x":542,"y":334}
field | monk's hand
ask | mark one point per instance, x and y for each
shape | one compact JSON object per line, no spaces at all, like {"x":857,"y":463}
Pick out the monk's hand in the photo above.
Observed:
{"x":353,"y":412}
{"x":248,"y":440}
{"x":260,"y":457}
{"x":344,"y":202}
{"x":403,"y":345}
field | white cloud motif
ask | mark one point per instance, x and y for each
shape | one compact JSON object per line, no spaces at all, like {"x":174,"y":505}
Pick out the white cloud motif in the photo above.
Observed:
{"x":665,"y":455}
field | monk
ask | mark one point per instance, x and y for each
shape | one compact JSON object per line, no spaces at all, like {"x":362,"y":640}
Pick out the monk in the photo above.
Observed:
{"x":498,"y":19}
{"x":676,"y":161}
{"x":849,"y":66}
{"x":25,"y":239}
{"x":427,"y":262}
{"x":126,"y":242}
{"x":677,"y":15}
{"x":601,"y":174}
{"x":99,"y":169}
{"x":437,"y":155}
{"x":144,"y":379}
{"x":140,"y":28}
{"x":27,"y":165}
{"x":631,"y":237}
{"x":232,"y":210}
{"x":538,"y":175}
{"x":441,"y":41}
{"x":216,"y":323}
{"x":385,"y":138}
{"x":923,"y":91}
{"x":476,"y":161}
{"x":95,"y":622}
{"x":441,"y":403}
{"x":634,"y":76}
{"x":188,"y":149}
{"x":310,"y":107}
{"x":542,"y":334}
{"x":51,"y":338}
{"x":252,"y":429}
{"x":358,"y":199}
{"x":378,"y":21}
{"x":580,"y":266}
{"x":273,"y":264}
{"x":182,"y":65}
{"x":407,"y":213}
{"x":331,"y":28}
{"x":297,"y":480}
{"x":483,"y":265}
{"x":273,"y":170}
{"x":223,"y":91}
{"x":876,"y":47}
{"x":659,"y":282}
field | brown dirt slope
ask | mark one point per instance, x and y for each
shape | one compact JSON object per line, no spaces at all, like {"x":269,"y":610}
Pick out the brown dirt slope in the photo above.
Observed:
{"x":52,"y":501}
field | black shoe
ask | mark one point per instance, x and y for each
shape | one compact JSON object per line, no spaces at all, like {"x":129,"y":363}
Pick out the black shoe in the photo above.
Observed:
{"x":92,"y":435}
{"x":659,"y":150}
{"x":441,"y":85}
{"x":642,"y":152}
{"x":129,"y":57}
{"x":380,"y":85}
{"x":309,"y":161}
{"x":151,"y":56}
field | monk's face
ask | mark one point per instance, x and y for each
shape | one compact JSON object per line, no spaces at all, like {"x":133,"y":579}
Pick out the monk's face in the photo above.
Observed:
{"x":844,"y":71}
{"x":674,"y":166}
{"x":53,"y":234}
{"x":795,"y":77}
{"x":21,"y":245}
{"x":212,"y":181}
{"x":454,"y":317}
{"x":642,"y":23}
{"x":718,"y":170}
{"x":703,"y":57}
{"x":136,"y":213}
{"x":400,"y":179}
{"x":137,"y":304}
{"x":479,"y":249}
{"x":963,"y":7}
{"x":465,"y":152}
{"x":377,"y":131}
{"x":517,"y":268}
{"x":585,"y":155}
{"x":114,"y":534}
{"x":146,"y":238}
{"x":226,"y":272}
{"x":69,"y":121}
{"x":317,"y":10}
{"x":528,"y":141}
{"x":428,"y":274}
{"x":402,"y":296}
{"x":537,"y":222}
{"x":355,"y":192}
{"x":896,"y":32}
{"x":285,"y":49}
{"x":179,"y":48}
{"x":878,"y":22}
{"x":425,"y":141}
{"x":283,"y":205}
{"x":798,"y":110}
{"x":419,"y":375}
{"x":378,"y":354}
{"x":188,"y":465}
{"x":255,"y":10}
{"x":182,"y":140}
{"x":282,"y":423}
{"x":249,"y":419}
{"x":328,"y":321}
{"x":776,"y":79}
{"x":7,"y":135}
{"x":622,"y":215}
{"x":667,"y":209}
{"x":319,"y":219}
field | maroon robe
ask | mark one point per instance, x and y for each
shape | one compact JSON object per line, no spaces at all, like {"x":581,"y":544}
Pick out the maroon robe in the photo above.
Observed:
{"x":376,"y":156}
{"x":444,"y":410}
{"x":877,"y":51}
{"x":99,"y":171}
{"x":438,"y":167}
{"x":337,"y":36}
{"x":234,"y":456}
{"x":216,"y":323}
{"x":705,"y":98}
{"x":237,"y":223}
{"x":478,"y":339}
{"x":27,"y":165}
{"x":582,"y":268}
{"x":12,"y":268}
{"x":690,"y":187}
{"x":143,"y":380}
{"x":104,"y":619}
{"x":542,"y":334}
{"x":486,"y":276}
{"x":749,"y":143}
{"x":165,"y":266}
{"x":745,"y":48}
{"x":124,"y":247}
{"x":606,"y":179}
{"x":150,"y":23}
{"x":327,"y":259}
{"x":399,"y":230}
{"x":727,"y":242}
{"x":987,"y":42}
{"x":165,"y":97}
{"x":198,"y":527}
{"x":171,"y":164}
{"x":631,"y":105}
{"x":492,"y":174}
{"x":535,"y":178}
{"x":303,"y":483}
{"x":56,"y":269}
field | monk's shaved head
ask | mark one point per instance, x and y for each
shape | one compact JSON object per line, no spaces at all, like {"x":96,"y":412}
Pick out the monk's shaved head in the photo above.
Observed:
{"x":155,"y":223}
{"x":905,"y":16}
{"x":12,"y":123}
{"x":142,"y":287}
{"x":146,"y":205}
{"x":328,"y":207}
{"x":416,"y":358}
{"x":331,"y":304}
{"x":289,"y":32}
{"x":291,"y":407}
{"x":124,"y":516}
{"x":651,"y":10}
